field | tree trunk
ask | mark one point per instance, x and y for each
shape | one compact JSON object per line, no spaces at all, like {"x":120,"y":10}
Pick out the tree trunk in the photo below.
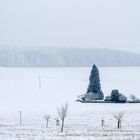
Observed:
{"x":118,"y":124}
{"x":102,"y":124}
{"x":62,"y":126}
{"x":47,"y":124}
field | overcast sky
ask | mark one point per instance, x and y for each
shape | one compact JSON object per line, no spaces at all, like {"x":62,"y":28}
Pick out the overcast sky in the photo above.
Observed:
{"x":71,"y":23}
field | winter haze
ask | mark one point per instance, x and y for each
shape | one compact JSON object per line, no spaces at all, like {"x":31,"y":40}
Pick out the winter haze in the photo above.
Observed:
{"x":75,"y":23}
{"x":69,"y":70}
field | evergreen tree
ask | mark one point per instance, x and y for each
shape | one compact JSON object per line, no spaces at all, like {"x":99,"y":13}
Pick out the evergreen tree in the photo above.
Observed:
{"x":94,"y":83}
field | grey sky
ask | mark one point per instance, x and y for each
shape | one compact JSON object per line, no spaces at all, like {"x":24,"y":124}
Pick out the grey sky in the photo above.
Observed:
{"x":64,"y":23}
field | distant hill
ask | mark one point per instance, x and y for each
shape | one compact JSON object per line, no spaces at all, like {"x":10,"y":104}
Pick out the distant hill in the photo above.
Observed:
{"x":65,"y":57}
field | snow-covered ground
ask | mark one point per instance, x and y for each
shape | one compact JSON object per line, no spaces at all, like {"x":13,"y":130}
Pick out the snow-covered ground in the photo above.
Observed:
{"x":19,"y":90}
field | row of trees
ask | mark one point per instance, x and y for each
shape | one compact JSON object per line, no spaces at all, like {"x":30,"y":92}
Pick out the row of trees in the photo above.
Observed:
{"x":63,"y":112}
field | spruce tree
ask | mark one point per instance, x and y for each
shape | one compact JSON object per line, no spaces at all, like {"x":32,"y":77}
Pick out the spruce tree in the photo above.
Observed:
{"x":94,"y":83}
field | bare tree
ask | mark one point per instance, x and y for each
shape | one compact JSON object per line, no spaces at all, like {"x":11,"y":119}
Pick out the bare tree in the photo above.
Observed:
{"x":62,"y":112}
{"x":119,"y":118}
{"x":47,"y":118}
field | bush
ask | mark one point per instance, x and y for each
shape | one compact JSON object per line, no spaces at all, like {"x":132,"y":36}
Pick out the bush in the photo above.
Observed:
{"x":115,"y":95}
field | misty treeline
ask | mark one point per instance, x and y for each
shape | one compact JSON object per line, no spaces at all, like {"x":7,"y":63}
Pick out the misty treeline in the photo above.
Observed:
{"x":65,"y":57}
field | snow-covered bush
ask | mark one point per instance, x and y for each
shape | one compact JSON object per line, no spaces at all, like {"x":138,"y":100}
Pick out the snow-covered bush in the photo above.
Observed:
{"x":116,"y":97}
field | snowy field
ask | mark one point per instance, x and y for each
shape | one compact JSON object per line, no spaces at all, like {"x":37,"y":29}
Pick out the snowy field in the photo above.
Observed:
{"x":19,"y":90}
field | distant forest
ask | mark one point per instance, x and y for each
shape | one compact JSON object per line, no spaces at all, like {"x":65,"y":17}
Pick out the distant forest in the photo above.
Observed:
{"x":65,"y":57}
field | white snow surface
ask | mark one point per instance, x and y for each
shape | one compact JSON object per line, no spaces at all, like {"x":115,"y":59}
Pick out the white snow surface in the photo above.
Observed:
{"x":19,"y":90}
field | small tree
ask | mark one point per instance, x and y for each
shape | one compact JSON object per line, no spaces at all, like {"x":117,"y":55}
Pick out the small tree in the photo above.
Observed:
{"x":94,"y":82}
{"x":62,"y":112}
{"x":47,"y":118}
{"x":119,"y":118}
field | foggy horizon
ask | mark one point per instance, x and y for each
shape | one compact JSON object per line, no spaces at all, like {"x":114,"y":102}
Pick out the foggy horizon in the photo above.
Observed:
{"x":90,"y":24}
{"x":67,"y":47}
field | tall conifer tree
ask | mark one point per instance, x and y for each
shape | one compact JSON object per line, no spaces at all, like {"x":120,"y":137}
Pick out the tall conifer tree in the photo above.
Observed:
{"x":94,"y":83}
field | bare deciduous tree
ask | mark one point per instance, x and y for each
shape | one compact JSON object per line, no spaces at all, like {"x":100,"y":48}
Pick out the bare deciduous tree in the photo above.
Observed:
{"x":119,"y":118}
{"x":62,"y":112}
{"x":47,"y":118}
